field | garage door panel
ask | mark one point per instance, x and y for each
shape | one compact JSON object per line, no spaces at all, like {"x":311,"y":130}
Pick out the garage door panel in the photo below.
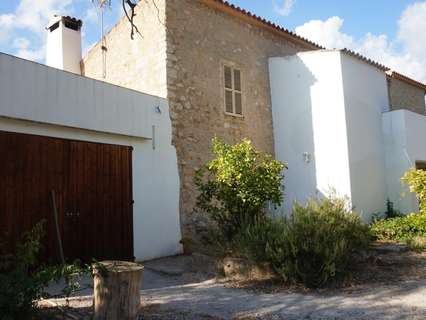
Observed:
{"x":92,"y":183}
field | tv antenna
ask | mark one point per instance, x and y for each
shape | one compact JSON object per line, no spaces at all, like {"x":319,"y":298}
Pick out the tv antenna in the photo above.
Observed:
{"x":102,"y":5}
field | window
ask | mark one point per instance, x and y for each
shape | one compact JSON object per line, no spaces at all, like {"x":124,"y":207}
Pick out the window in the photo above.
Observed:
{"x":233,"y":95}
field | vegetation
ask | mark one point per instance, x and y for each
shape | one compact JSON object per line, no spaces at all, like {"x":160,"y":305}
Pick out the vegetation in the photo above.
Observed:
{"x":317,"y":242}
{"x":313,"y":246}
{"x":23,"y":282}
{"x":411,"y":228}
{"x":235,"y":186}
{"x":400,"y":228}
{"x":416,"y":180}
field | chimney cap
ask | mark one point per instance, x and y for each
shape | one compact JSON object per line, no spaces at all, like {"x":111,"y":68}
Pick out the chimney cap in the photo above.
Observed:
{"x":56,"y":18}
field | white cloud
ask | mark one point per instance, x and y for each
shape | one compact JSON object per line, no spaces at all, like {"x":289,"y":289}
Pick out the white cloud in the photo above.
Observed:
{"x":35,"y":14}
{"x":286,"y":8}
{"x":327,"y":33}
{"x":92,"y":15}
{"x":6,"y":20}
{"x":23,"y":46}
{"x":30,"y":16}
{"x":404,"y":54}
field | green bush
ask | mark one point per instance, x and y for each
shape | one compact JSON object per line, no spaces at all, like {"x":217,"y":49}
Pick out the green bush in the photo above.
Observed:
{"x":416,"y":180}
{"x":19,"y":286}
{"x":235,"y":186}
{"x":400,"y":228}
{"x":410,"y":228}
{"x":23,"y":281}
{"x":315,"y":245}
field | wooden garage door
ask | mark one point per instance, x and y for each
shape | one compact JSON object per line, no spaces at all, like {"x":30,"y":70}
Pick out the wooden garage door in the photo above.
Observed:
{"x":92,"y":185}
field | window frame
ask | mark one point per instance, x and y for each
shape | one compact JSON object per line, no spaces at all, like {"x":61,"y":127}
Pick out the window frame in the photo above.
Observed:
{"x":224,"y":89}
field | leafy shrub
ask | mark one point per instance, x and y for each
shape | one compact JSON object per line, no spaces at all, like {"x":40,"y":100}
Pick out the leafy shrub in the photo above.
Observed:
{"x":317,"y":242}
{"x":235,"y":186}
{"x":416,"y":179}
{"x":417,"y":243}
{"x":312,"y":247}
{"x":23,"y":282}
{"x":251,"y":240}
{"x":19,"y":287}
{"x":400,"y":228}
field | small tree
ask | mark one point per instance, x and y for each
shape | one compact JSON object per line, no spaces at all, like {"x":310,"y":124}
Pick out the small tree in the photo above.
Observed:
{"x":235,"y":186}
{"x":416,"y":180}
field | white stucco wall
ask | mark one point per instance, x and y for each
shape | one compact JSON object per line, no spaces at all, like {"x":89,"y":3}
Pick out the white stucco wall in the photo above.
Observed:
{"x":36,"y":99}
{"x":404,"y":133}
{"x":309,"y":119}
{"x":366,"y":98}
{"x":329,"y":105}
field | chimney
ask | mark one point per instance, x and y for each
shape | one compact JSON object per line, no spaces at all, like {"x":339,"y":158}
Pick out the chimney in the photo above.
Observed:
{"x":64,"y":44}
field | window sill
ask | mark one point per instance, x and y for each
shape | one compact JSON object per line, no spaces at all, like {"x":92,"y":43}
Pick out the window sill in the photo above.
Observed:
{"x":234,"y":115}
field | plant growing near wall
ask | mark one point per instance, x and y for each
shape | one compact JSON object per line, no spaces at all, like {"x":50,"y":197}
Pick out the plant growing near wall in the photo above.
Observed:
{"x":315,"y":244}
{"x":236,"y":184}
{"x":23,"y":281}
{"x":416,"y":180}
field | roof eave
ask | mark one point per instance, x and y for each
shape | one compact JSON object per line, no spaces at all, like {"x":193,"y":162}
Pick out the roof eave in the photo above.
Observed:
{"x":253,"y":19}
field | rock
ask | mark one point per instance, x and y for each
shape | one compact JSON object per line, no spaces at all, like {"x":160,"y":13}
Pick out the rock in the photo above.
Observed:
{"x":243,"y":269}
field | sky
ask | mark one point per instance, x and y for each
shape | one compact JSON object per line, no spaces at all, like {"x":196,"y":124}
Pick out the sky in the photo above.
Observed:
{"x":392,"y":32}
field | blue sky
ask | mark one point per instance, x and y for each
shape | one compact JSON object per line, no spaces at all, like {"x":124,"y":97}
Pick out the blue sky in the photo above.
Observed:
{"x":390,"y":31}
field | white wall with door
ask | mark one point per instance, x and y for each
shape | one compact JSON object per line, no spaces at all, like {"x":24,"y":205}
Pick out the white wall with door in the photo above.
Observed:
{"x":36,"y":99}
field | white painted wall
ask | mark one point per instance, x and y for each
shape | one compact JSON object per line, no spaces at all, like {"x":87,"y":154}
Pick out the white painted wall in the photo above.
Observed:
{"x":330,"y":105}
{"x":404,"y":142}
{"x":63,"y":47}
{"x":36,"y":99}
{"x":30,"y":91}
{"x":309,"y":118}
{"x":366,"y":98}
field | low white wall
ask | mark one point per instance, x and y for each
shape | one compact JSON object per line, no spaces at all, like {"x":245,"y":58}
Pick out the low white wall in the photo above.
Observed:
{"x":36,"y":99}
{"x":32,"y":91}
{"x":309,"y":121}
{"x":404,"y":133}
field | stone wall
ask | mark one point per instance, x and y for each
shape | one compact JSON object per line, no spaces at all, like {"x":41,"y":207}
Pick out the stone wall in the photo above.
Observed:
{"x":405,"y":96}
{"x":138,"y":64}
{"x":199,"y":41}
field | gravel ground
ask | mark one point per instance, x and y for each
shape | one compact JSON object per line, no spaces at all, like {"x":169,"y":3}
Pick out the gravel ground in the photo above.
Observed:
{"x":390,"y":287}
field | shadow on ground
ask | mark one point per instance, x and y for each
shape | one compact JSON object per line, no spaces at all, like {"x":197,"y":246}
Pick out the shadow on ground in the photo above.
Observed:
{"x":397,"y":292}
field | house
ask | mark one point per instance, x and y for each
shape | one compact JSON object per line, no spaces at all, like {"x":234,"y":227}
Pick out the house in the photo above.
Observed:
{"x":215,"y":63}
{"x":202,"y":68}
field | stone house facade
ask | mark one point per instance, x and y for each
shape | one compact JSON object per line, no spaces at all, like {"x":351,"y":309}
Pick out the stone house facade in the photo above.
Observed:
{"x":210,"y":60}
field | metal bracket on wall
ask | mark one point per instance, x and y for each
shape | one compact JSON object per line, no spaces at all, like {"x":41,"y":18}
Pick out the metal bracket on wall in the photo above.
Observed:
{"x":153,"y":137}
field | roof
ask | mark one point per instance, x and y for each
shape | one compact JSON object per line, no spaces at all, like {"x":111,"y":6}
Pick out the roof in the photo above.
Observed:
{"x":227,"y":7}
{"x":250,"y":17}
{"x":395,"y":75}
{"x":56,"y":18}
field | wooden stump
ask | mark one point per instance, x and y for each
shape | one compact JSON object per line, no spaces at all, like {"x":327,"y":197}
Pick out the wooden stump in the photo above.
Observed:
{"x":117,"y":290}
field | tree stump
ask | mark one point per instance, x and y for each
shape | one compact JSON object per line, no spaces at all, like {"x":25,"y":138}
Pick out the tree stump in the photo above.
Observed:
{"x":117,"y":290}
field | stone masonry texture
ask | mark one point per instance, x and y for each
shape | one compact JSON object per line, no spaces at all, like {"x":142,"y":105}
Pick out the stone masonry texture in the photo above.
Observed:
{"x":405,"y":96}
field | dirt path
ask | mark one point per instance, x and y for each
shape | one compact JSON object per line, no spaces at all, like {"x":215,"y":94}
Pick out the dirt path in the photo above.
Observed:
{"x":171,"y":292}
{"x":403,"y":301}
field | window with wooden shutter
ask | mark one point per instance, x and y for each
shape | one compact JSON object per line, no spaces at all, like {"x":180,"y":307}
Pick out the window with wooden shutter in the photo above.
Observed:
{"x":233,"y":91}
